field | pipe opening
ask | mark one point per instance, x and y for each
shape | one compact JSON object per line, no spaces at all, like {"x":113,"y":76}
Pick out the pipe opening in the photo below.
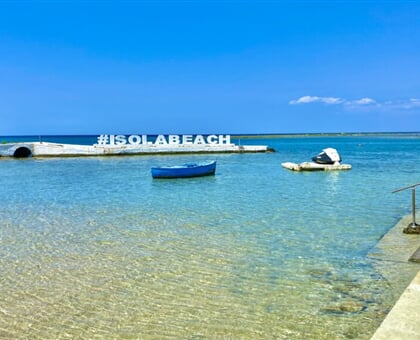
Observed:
{"x":22,"y":152}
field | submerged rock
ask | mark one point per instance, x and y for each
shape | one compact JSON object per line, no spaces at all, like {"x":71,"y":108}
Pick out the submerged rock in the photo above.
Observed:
{"x":352,"y":306}
{"x":345,"y":307}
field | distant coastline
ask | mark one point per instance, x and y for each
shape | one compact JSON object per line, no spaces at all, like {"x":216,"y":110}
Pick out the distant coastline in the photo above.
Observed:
{"x":326,"y":134}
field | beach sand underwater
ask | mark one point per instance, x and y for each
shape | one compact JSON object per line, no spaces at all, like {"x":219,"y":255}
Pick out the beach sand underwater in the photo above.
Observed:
{"x":93,"y":247}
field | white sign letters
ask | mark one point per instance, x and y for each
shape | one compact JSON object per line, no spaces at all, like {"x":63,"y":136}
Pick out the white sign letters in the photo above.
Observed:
{"x":161,"y":140}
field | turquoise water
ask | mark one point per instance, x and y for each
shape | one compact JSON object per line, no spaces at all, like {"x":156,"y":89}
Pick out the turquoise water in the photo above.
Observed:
{"x":93,"y":247}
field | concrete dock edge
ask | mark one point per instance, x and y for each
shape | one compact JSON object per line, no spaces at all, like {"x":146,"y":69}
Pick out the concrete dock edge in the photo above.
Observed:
{"x":402,"y":322}
{"x":46,"y":149}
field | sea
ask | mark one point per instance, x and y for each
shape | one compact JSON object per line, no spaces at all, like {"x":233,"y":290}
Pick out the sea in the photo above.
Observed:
{"x":94,"y":248}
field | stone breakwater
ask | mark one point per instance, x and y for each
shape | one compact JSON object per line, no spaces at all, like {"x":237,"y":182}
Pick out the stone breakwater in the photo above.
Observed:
{"x":43,"y":149}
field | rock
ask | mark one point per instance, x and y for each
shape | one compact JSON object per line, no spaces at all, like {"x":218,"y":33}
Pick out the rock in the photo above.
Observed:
{"x":352,"y":306}
{"x":345,"y":307}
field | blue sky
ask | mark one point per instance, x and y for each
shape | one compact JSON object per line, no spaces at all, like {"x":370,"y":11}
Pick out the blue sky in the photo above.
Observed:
{"x":155,"y":67}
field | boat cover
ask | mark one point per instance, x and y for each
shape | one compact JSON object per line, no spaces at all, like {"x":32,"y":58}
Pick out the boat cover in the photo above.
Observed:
{"x":327,"y":156}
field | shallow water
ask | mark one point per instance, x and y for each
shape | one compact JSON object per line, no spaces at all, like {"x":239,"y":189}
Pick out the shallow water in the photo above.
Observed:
{"x":95,"y":248}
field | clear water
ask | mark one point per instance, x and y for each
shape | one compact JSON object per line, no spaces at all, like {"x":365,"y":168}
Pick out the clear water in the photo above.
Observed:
{"x":95,"y":248}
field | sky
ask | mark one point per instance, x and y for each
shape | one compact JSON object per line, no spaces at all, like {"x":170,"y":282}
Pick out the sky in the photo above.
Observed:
{"x":203,"y":67}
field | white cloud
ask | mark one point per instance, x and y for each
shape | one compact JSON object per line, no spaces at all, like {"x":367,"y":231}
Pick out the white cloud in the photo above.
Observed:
{"x":331,"y":100}
{"x":304,"y":100}
{"x":415,"y":102}
{"x":364,"y":101}
{"x":362,"y":104}
{"x":316,"y":99}
{"x":409,"y":104}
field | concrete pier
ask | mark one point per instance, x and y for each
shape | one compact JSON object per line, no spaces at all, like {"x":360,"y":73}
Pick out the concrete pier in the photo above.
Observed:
{"x":402,"y":322}
{"x":43,"y":149}
{"x":393,"y":254}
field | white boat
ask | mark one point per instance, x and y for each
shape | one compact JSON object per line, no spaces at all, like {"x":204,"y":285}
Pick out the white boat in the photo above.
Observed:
{"x":327,"y":160}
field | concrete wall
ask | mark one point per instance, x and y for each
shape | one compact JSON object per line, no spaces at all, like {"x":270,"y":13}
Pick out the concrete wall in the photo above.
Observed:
{"x":42,"y":149}
{"x":403,"y":321}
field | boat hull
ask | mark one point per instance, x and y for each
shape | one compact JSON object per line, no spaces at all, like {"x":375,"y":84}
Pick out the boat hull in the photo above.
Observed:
{"x":185,"y":170}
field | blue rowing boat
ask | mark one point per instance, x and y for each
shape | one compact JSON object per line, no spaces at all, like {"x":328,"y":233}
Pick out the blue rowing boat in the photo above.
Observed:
{"x":185,"y":170}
